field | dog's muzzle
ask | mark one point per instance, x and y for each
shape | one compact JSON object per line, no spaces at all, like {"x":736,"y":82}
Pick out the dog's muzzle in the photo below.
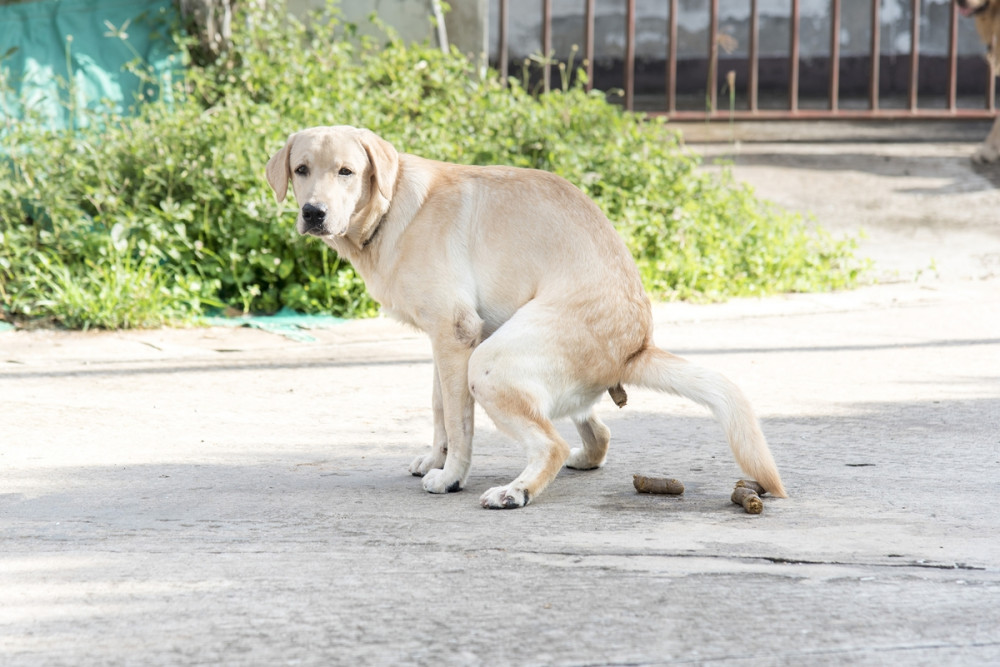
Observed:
{"x":314,"y":219}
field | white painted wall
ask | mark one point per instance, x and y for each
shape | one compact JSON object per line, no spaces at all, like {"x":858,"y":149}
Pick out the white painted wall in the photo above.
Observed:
{"x":466,"y":23}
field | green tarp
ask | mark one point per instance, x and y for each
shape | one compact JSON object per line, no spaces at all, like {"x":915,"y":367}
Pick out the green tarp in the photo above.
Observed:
{"x":61,"y":58}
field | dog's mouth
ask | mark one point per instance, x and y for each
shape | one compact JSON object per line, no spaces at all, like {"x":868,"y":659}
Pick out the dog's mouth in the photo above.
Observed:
{"x":314,"y":230}
{"x":318,"y":229}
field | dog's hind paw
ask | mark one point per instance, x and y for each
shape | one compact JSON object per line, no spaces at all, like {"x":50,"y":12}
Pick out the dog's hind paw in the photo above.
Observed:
{"x":504,"y":498}
{"x":579,"y":459}
{"x":435,"y":481}
{"x":424,"y":463}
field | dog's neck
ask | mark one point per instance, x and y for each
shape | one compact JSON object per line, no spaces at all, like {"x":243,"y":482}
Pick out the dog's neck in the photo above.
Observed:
{"x":354,"y":247}
{"x":374,"y":232}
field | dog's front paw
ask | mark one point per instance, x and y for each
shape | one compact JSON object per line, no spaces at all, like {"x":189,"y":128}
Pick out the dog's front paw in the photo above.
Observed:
{"x":504,"y":498}
{"x":435,"y":481}
{"x":424,"y":463}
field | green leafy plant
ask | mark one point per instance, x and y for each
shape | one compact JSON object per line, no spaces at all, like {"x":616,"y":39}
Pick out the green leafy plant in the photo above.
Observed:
{"x":174,"y":199}
{"x":110,"y":292}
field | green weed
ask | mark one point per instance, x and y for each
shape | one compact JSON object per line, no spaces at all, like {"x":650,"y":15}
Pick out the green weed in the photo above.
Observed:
{"x":113,"y":292}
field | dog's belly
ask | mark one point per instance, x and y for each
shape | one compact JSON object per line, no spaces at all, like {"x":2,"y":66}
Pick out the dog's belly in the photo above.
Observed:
{"x":495,"y":316}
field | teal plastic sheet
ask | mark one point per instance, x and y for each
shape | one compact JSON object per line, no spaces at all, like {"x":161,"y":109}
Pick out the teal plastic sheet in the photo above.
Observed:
{"x":286,"y":322}
{"x":60,"y":59}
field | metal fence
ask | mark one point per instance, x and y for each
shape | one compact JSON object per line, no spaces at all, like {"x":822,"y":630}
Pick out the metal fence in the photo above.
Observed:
{"x":945,"y":103}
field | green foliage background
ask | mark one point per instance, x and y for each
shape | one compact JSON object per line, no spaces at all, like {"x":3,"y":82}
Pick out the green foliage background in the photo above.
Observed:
{"x":137,"y":222}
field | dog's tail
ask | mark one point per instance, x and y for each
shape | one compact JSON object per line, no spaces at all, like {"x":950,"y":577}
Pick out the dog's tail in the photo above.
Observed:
{"x":654,"y":368}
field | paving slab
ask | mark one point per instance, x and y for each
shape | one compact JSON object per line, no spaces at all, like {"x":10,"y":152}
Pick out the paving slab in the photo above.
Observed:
{"x":924,"y":210}
{"x":231,"y":496}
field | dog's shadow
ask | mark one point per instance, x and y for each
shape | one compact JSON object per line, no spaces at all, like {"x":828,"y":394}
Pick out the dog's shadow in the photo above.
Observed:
{"x":988,"y":179}
{"x":990,"y":171}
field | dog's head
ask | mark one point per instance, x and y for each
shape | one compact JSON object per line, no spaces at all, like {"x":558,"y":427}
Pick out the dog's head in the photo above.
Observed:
{"x":343,"y":179}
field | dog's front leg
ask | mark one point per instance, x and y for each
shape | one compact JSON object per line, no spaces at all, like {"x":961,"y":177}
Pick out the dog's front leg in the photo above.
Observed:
{"x":435,"y":459}
{"x":451,"y":361}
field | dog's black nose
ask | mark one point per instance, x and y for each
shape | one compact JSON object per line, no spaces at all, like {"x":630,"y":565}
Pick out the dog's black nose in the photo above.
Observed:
{"x":314,"y":215}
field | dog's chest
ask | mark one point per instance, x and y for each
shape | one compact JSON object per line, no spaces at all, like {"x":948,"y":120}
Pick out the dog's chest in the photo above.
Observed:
{"x":400,"y":316}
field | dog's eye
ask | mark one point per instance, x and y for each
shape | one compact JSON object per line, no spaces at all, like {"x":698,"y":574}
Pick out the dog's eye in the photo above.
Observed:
{"x":344,"y":171}
{"x":302,"y":170}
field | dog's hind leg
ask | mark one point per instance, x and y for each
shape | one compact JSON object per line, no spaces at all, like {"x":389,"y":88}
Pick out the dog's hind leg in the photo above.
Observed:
{"x":522,"y":378}
{"x":517,"y":415}
{"x":595,"y":436}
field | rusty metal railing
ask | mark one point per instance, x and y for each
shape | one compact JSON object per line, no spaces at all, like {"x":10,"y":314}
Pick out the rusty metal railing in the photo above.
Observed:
{"x":752,"y":109}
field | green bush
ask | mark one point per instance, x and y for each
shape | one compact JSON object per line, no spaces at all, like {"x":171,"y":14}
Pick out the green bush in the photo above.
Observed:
{"x":175,"y":198}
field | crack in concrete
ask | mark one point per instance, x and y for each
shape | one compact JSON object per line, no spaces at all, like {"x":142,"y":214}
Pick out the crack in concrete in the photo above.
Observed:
{"x":779,"y":560}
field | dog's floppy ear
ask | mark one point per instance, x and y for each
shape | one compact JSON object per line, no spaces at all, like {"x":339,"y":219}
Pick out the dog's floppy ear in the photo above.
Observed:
{"x":278,"y":170}
{"x":385,"y":165}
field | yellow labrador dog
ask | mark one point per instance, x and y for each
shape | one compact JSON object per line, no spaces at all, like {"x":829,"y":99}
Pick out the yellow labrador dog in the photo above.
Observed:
{"x":532,"y":302}
{"x":987,"y":16}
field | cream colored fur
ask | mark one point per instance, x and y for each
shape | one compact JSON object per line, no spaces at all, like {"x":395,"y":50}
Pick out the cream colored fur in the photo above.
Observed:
{"x":532,"y":302}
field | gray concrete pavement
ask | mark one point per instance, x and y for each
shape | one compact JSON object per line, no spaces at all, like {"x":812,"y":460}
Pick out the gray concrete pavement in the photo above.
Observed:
{"x":233,"y":497}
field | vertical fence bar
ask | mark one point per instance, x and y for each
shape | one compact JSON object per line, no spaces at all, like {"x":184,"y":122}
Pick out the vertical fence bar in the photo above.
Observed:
{"x":914,"y":53}
{"x":876,"y":55}
{"x":793,"y":59}
{"x":753,"y":68}
{"x":834,"y":89}
{"x":991,"y":89}
{"x":713,"y":54}
{"x":503,"y":54}
{"x":588,"y":42}
{"x":546,"y":44}
{"x":953,"y":57}
{"x":672,"y":59}
{"x":630,"y":55}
